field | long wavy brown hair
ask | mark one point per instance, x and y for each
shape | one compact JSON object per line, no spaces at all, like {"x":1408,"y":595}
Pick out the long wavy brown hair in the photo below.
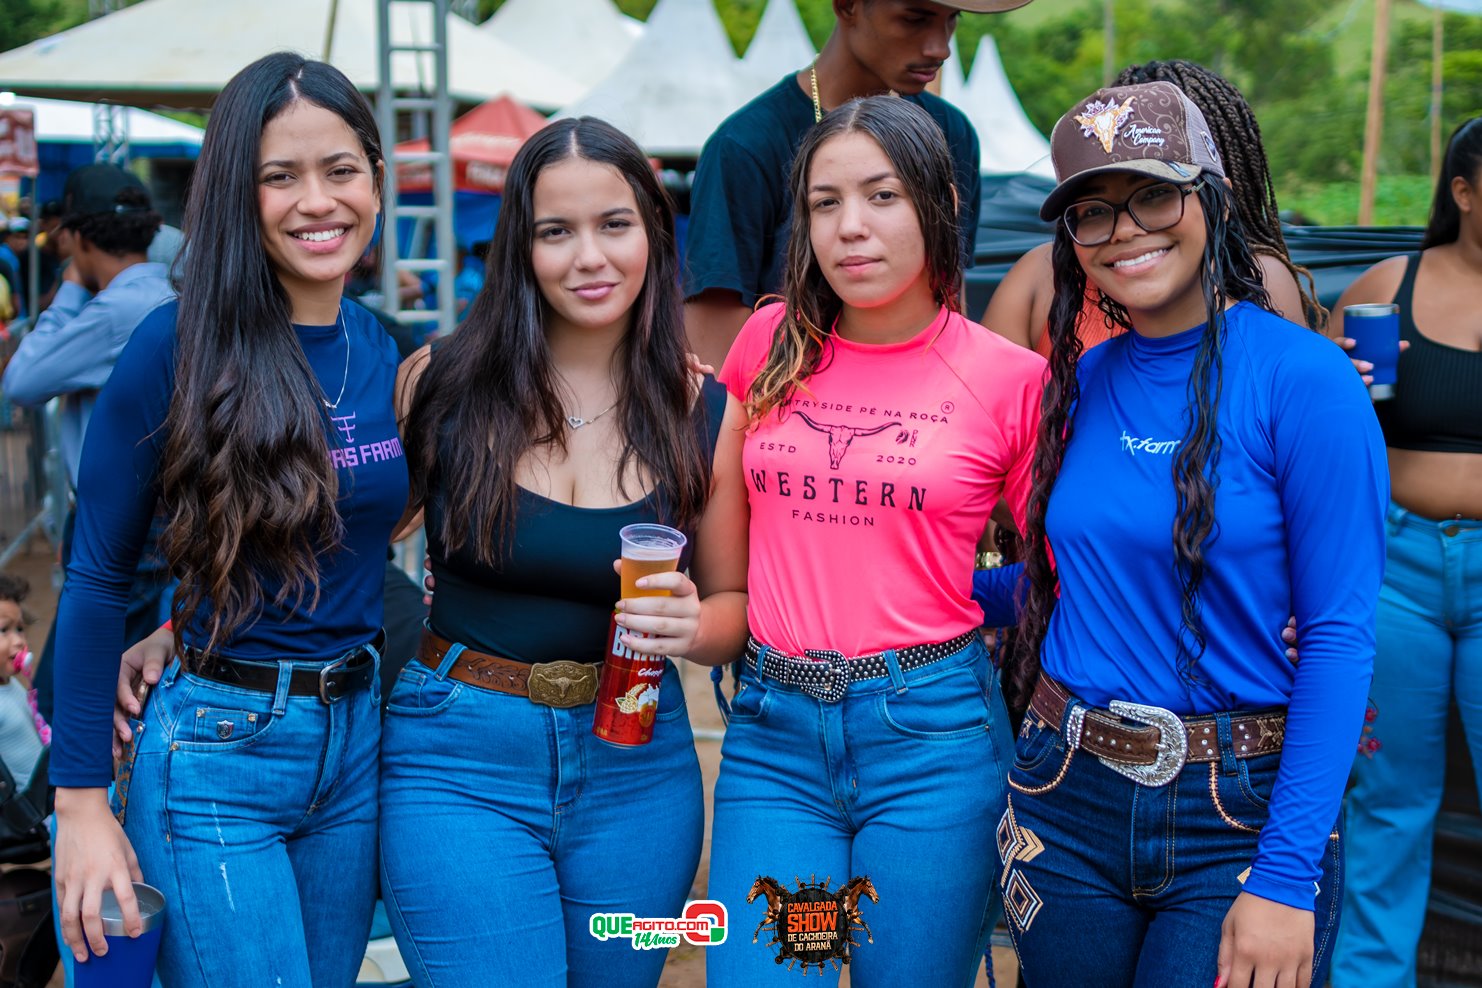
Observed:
{"x":245,"y":473}
{"x":491,"y":393}
{"x":918,"y":152}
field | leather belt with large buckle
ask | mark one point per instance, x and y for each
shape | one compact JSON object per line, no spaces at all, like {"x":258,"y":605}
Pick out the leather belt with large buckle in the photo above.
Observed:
{"x":1157,"y":745}
{"x":553,"y":684}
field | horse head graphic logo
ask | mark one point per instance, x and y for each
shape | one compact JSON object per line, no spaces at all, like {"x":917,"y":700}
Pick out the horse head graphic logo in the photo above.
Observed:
{"x":840,"y":436}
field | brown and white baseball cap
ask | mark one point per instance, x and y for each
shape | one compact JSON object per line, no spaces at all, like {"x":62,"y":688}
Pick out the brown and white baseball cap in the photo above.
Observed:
{"x":984,"y":6}
{"x":1152,"y":129}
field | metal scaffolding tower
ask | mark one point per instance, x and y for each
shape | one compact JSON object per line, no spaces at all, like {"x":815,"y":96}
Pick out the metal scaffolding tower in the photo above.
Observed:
{"x":110,"y":121}
{"x":431,"y":111}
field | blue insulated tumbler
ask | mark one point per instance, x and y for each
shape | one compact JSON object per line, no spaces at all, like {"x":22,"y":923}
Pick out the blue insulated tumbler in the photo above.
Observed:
{"x":1375,"y":329}
{"x":129,"y":962}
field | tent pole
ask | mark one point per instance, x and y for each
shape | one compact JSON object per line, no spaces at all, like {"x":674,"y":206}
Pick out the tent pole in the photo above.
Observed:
{"x":1438,"y":53}
{"x":1374,"y":118}
{"x":1109,"y":48}
{"x":334,"y":10}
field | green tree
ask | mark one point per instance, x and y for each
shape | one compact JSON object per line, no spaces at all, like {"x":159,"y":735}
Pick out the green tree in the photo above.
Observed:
{"x":24,"y":21}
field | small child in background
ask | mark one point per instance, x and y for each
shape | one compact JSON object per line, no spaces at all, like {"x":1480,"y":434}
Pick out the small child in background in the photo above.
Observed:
{"x":23,"y":734}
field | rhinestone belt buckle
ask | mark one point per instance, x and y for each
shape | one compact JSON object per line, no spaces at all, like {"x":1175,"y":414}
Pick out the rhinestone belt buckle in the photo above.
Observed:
{"x":833,"y":669}
{"x":1173,"y":744}
{"x":563,"y":683}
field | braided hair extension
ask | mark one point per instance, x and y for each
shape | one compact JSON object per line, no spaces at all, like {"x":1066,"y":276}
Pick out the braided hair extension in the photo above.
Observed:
{"x":1230,"y":273}
{"x":1238,"y":137}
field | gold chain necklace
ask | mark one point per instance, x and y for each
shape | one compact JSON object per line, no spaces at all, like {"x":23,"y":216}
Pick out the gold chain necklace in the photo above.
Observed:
{"x":813,"y":85}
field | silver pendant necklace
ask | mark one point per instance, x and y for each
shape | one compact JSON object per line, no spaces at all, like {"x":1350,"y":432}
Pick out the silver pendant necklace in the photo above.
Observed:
{"x":576,"y":421}
{"x":345,"y":380}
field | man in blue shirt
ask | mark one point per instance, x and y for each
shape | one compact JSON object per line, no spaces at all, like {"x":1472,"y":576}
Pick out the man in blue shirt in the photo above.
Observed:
{"x":740,"y":203}
{"x":70,"y":352}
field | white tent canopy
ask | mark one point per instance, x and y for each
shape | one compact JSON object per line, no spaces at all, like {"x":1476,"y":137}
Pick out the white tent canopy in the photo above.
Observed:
{"x":675,"y":86}
{"x":583,"y":39}
{"x":1010,"y":142}
{"x":781,"y":45}
{"x":63,"y":121}
{"x":182,"y":52}
{"x":954,"y":85}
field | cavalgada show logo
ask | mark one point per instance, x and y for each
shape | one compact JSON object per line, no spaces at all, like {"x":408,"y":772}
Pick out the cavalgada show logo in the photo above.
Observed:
{"x":814,"y":926}
{"x":703,"y":924}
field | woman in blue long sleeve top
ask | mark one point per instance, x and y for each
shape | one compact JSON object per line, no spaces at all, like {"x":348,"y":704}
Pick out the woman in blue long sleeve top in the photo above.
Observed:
{"x":257,"y":411}
{"x":1177,"y":780}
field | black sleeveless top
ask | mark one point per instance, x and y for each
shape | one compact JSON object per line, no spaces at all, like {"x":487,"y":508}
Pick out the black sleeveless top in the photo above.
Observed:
{"x":550,"y":596}
{"x":1437,"y":405}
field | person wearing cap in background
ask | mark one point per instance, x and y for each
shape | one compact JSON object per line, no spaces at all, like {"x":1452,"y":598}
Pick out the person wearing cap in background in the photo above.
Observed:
{"x":740,"y":202}
{"x":1174,"y":799}
{"x":108,"y":287}
{"x":12,"y":266}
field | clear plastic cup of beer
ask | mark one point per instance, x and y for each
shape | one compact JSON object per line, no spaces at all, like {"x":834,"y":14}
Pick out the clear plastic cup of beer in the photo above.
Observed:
{"x":628,"y":693}
{"x":648,"y":549}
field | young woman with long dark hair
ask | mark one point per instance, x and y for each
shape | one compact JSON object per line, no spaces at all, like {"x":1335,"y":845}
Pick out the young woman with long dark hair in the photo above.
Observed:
{"x":868,"y":737}
{"x":561,"y":411}
{"x":1176,"y":783}
{"x":1430,"y":622}
{"x":257,"y":412}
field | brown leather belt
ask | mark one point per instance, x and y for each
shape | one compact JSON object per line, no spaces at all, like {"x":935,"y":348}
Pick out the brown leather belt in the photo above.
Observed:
{"x":552,"y":684}
{"x":1161,"y":742}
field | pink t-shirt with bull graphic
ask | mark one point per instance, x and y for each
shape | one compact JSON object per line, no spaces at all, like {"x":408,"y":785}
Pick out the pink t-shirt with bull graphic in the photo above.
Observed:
{"x":870,"y":489}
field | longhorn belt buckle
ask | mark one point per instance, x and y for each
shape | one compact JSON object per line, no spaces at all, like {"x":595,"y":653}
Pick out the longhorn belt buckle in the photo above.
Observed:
{"x":835,"y":669}
{"x":563,"y":683}
{"x":1173,"y":744}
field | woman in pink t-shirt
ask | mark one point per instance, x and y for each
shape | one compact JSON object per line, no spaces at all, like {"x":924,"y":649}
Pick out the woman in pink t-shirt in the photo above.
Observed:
{"x":867,"y":737}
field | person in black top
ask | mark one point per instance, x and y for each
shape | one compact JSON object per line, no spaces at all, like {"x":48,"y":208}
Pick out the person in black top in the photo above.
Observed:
{"x":739,"y":204}
{"x":1429,"y":644}
{"x":561,"y":411}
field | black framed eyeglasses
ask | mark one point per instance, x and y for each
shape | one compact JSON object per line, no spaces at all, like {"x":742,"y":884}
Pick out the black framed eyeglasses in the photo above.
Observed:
{"x":1092,"y":222}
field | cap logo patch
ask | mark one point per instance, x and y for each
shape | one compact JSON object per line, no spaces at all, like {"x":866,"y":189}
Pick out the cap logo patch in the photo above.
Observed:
{"x":1104,"y":120}
{"x":1214,"y":152}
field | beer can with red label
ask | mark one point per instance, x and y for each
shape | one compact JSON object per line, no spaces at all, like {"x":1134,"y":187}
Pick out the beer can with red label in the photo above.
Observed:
{"x":628,"y":697}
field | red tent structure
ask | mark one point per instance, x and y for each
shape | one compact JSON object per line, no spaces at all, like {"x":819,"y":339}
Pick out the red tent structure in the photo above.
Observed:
{"x":483,"y":141}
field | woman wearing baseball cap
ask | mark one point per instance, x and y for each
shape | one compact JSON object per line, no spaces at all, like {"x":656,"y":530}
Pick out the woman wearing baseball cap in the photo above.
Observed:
{"x":1177,"y":780}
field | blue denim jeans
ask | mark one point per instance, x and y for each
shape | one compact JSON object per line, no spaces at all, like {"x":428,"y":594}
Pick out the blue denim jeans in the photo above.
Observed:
{"x":1429,"y":649}
{"x":506,"y":824}
{"x":900,"y":781}
{"x":1111,"y":883}
{"x":255,"y":815}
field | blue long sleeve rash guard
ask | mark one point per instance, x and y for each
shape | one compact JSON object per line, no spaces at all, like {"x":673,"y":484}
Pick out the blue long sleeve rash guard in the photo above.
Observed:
{"x":117,"y":489}
{"x":1302,"y":490}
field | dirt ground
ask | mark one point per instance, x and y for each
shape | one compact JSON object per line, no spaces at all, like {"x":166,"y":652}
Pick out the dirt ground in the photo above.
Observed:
{"x":686,"y":965}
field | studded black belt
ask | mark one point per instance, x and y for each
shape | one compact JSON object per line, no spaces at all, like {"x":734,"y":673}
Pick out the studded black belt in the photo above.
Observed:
{"x":826,"y":674}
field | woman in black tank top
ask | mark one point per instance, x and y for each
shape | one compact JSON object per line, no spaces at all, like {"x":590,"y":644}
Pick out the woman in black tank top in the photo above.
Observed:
{"x":561,"y":411}
{"x":1430,"y":610}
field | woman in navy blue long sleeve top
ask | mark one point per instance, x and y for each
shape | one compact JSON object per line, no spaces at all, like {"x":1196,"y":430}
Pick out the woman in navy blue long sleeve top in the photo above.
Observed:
{"x":257,"y":413}
{"x":1177,"y":780}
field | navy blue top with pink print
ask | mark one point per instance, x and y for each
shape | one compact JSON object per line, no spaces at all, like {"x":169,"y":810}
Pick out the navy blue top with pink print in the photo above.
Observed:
{"x":118,"y":487}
